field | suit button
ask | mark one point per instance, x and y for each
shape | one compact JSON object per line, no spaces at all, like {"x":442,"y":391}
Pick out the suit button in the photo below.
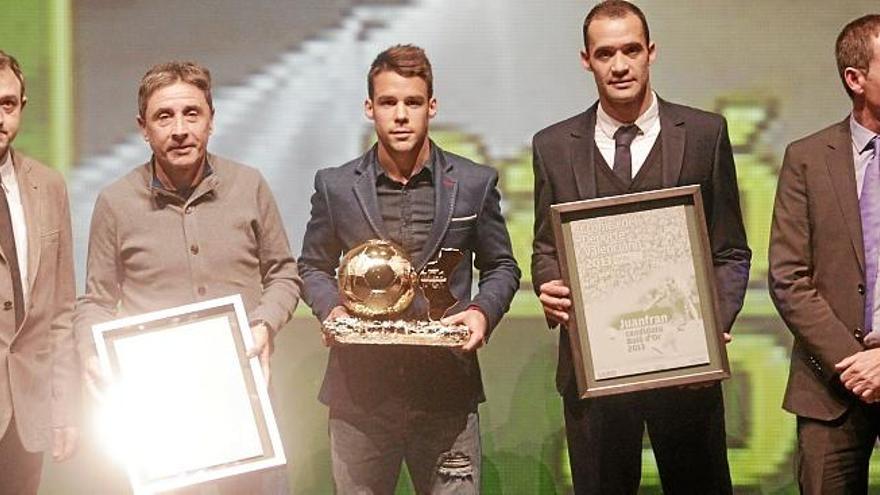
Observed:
{"x":194,"y":249}
{"x":202,"y":291}
{"x":862,"y":289}
{"x":7,"y":305}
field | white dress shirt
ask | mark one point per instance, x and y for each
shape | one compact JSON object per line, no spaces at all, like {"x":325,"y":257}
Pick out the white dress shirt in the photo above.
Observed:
{"x":649,"y":128}
{"x":16,"y":212}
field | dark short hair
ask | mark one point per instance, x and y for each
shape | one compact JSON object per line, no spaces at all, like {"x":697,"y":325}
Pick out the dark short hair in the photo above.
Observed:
{"x":854,"y":47}
{"x":166,"y":74}
{"x":615,"y":9}
{"x":7,"y":60}
{"x":406,"y":60}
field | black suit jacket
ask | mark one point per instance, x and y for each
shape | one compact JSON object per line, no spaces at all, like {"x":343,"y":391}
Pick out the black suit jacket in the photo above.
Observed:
{"x":817,"y":268}
{"x":345,"y":213}
{"x":696,"y":150}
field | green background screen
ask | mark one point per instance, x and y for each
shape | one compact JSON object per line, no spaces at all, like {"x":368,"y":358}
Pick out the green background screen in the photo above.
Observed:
{"x":289,"y":87}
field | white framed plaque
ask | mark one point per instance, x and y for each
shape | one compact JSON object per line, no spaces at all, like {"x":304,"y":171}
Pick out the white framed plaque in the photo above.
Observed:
{"x":643,"y":291}
{"x":185,"y":403}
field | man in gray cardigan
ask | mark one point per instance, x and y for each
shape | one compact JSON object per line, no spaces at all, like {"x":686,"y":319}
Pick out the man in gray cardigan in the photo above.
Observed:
{"x":187,"y":226}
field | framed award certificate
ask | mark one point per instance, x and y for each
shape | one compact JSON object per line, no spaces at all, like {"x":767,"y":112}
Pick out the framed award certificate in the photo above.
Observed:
{"x":643,"y":291}
{"x":185,"y":404}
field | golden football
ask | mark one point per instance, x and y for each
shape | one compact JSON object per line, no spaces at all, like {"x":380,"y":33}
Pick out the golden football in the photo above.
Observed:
{"x":376,"y":280}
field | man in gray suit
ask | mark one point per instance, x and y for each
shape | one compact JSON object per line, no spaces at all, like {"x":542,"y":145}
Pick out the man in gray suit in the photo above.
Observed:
{"x":39,"y":371}
{"x":632,"y":141}
{"x":823,"y":270}
{"x":390,"y":404}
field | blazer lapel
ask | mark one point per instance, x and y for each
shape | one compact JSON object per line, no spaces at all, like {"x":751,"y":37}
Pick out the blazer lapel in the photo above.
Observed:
{"x":839,"y":161}
{"x":583,"y":152}
{"x":672,"y":135}
{"x":365,"y":192}
{"x":445,"y":192}
{"x":29,"y":191}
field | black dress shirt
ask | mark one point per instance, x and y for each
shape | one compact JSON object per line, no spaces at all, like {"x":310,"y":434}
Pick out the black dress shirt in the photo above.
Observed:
{"x":407,"y":209}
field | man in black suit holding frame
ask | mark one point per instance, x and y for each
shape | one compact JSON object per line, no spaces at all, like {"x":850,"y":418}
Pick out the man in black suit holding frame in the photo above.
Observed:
{"x":632,"y":141}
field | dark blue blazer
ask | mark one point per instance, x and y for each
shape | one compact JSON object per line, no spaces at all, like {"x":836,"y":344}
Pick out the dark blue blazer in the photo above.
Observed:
{"x":345,"y":213}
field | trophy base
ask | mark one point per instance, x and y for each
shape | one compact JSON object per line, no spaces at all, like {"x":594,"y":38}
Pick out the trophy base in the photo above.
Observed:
{"x":349,"y":330}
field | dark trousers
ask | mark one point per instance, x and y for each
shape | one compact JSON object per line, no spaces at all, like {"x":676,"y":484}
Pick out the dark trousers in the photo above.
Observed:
{"x":686,"y":428}
{"x":832,"y":456}
{"x":19,"y":469}
{"x":441,"y":450}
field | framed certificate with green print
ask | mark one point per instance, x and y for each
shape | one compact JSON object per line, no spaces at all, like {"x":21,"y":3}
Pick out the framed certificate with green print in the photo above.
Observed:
{"x":643,"y":291}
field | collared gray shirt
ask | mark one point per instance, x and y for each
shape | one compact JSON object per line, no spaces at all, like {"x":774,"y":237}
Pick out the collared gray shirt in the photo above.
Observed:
{"x":862,"y":150}
{"x":863,"y":153}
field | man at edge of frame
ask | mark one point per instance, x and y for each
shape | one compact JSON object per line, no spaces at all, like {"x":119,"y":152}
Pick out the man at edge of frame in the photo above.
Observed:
{"x":824,"y":242}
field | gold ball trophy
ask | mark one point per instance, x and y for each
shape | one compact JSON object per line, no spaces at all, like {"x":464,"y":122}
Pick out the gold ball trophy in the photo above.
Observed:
{"x":377,"y":283}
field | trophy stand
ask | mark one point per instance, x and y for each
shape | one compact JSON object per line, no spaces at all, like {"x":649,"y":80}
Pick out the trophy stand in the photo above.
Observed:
{"x":377,"y":283}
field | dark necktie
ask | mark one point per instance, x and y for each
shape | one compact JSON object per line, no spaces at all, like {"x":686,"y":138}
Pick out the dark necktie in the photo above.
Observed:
{"x":7,"y":243}
{"x":623,"y":138}
{"x":869,"y":206}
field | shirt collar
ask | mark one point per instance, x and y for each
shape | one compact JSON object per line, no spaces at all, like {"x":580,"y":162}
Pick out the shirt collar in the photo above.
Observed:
{"x":156,"y":184}
{"x":427,"y":169}
{"x":861,"y":135}
{"x":608,"y":125}
{"x":7,"y":171}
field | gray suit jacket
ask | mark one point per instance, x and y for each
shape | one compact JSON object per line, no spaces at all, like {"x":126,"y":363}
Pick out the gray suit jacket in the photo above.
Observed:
{"x":345,"y":213}
{"x":39,"y":369}
{"x":696,"y":150}
{"x":817,"y":262}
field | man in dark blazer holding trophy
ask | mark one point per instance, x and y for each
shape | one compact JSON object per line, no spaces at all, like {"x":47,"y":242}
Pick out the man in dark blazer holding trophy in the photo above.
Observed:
{"x":401,"y":403}
{"x":632,"y":141}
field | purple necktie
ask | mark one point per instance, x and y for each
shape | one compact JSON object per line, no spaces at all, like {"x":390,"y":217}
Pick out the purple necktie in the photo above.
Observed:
{"x":869,"y":206}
